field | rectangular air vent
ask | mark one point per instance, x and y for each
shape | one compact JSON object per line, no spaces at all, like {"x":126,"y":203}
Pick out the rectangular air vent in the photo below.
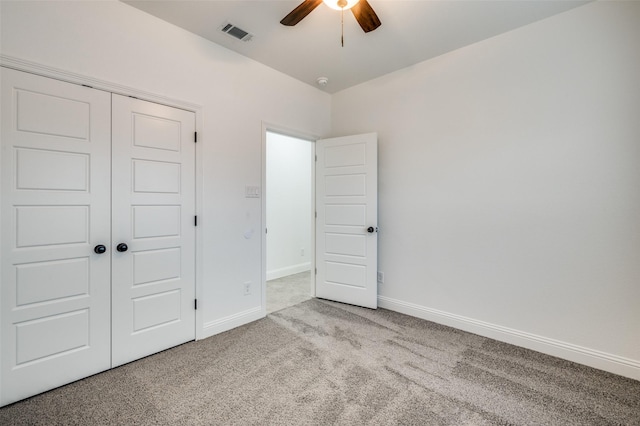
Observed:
{"x":235,"y":32}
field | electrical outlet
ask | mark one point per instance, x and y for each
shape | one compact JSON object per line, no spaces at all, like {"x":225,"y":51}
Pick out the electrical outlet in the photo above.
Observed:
{"x":247,"y":288}
{"x":381,"y":277}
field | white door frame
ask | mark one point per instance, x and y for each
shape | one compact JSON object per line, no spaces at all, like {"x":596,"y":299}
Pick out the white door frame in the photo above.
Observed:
{"x":275,"y":128}
{"x":71,"y":77}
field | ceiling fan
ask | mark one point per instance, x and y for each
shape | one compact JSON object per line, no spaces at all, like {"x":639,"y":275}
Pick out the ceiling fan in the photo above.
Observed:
{"x":361,"y":9}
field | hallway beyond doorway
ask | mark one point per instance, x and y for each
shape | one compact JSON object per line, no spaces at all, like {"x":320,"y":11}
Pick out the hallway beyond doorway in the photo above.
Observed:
{"x":288,"y":291}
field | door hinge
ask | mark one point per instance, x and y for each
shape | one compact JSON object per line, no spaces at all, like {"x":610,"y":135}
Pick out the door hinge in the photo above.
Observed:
{"x":195,"y":304}
{"x":316,"y":271}
{"x":195,"y":137}
{"x":266,"y":230}
{"x":195,"y":221}
{"x":316,"y":158}
{"x":316,"y":215}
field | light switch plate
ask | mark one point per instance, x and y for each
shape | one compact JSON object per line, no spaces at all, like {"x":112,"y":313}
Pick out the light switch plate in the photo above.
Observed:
{"x":251,"y":191}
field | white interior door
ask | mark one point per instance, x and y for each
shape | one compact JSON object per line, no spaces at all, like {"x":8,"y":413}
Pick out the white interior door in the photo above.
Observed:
{"x":153,"y":205}
{"x":55,"y":293}
{"x":346,"y":226}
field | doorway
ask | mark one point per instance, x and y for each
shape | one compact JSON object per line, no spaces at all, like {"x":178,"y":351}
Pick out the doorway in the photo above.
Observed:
{"x":289,"y":199}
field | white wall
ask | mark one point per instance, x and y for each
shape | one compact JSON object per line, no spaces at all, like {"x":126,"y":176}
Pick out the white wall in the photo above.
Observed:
{"x":112,"y":41}
{"x":288,"y":183}
{"x":509,"y":185}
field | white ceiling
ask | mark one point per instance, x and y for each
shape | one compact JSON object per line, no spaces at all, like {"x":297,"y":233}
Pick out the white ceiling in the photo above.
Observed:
{"x":412,"y":31}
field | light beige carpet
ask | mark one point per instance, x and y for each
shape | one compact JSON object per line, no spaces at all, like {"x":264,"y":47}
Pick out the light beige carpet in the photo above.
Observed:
{"x":323,"y":363}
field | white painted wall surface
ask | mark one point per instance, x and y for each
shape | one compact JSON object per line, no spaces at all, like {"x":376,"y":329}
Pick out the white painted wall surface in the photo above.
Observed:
{"x":289,"y":201}
{"x":509,"y":185}
{"x":112,"y":41}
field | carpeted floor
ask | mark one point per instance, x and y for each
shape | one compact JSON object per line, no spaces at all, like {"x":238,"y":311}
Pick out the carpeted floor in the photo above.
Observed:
{"x":324,"y":363}
{"x":288,"y":291}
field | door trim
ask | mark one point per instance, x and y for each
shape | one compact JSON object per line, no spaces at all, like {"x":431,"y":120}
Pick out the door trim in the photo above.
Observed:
{"x":275,"y":128}
{"x":71,"y":77}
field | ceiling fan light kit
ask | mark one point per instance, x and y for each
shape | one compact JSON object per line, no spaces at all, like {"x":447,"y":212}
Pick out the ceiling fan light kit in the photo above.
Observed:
{"x":361,"y":9}
{"x":340,"y":4}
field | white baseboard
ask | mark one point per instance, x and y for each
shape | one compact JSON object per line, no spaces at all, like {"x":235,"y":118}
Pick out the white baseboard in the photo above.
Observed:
{"x":289,"y":270}
{"x":593,"y":358}
{"x":232,"y":321}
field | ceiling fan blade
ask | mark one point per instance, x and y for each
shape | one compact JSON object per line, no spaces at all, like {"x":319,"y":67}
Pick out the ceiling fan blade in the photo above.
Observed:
{"x":300,"y":12}
{"x":366,"y":16}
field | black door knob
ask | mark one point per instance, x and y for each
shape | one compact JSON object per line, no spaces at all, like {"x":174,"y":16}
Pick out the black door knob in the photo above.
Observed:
{"x":370,"y":229}
{"x":99,"y":249}
{"x":122,"y":247}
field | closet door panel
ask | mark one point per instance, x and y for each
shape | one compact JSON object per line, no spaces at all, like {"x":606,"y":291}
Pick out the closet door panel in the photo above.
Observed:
{"x":55,"y":208}
{"x":153,"y":214}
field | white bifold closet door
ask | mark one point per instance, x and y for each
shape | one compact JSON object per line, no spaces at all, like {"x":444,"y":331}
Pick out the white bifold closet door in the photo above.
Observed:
{"x":67,"y":292}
